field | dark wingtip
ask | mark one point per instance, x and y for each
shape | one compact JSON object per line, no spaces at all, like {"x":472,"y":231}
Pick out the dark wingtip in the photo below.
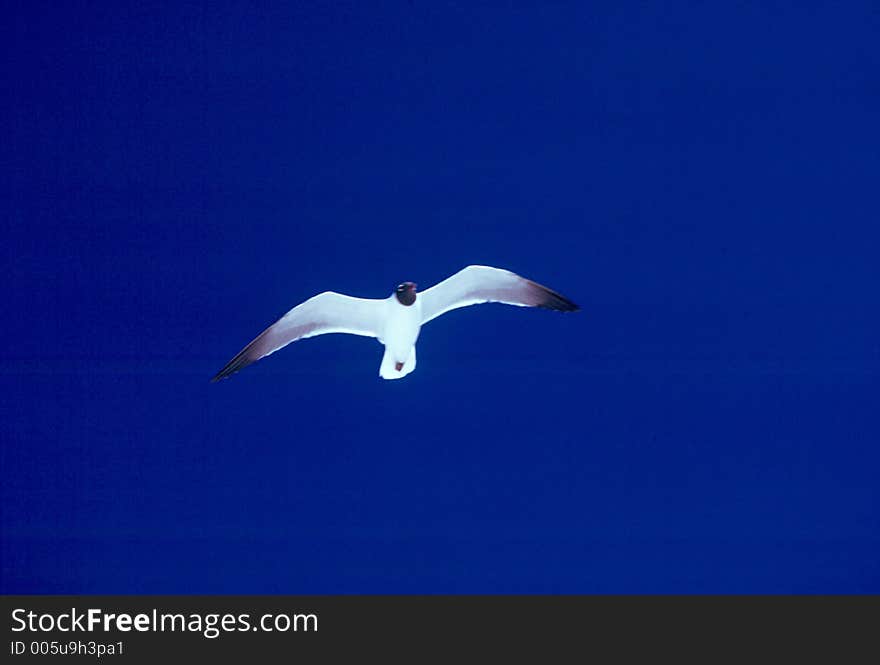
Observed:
{"x":242,"y":359}
{"x":550,"y":299}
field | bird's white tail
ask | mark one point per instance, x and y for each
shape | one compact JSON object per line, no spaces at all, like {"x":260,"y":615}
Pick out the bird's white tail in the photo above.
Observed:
{"x":388,"y":368}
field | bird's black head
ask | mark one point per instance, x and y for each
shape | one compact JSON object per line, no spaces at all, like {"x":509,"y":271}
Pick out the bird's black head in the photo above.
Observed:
{"x":406,"y":293}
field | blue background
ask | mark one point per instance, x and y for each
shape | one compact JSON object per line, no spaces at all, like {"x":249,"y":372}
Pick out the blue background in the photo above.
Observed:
{"x":702,"y":180}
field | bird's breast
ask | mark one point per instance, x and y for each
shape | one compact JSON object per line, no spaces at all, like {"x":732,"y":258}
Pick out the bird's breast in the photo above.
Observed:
{"x":402,"y":326}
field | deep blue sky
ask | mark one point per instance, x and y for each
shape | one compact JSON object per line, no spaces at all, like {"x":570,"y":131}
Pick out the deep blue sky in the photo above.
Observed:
{"x":703,"y":181}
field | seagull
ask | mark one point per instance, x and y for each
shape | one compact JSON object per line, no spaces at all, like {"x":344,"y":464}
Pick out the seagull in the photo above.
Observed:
{"x":396,"y":320}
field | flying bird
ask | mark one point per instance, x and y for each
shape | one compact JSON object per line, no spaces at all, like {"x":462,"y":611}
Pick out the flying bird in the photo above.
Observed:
{"x":396,"y":321}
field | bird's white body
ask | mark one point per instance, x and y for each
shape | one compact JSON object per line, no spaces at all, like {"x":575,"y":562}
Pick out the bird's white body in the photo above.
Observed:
{"x":397,"y":320}
{"x":401,"y":330}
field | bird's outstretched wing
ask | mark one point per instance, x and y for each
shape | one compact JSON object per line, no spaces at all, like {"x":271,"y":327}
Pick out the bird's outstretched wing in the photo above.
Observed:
{"x":327,"y":312}
{"x":478,"y":284}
